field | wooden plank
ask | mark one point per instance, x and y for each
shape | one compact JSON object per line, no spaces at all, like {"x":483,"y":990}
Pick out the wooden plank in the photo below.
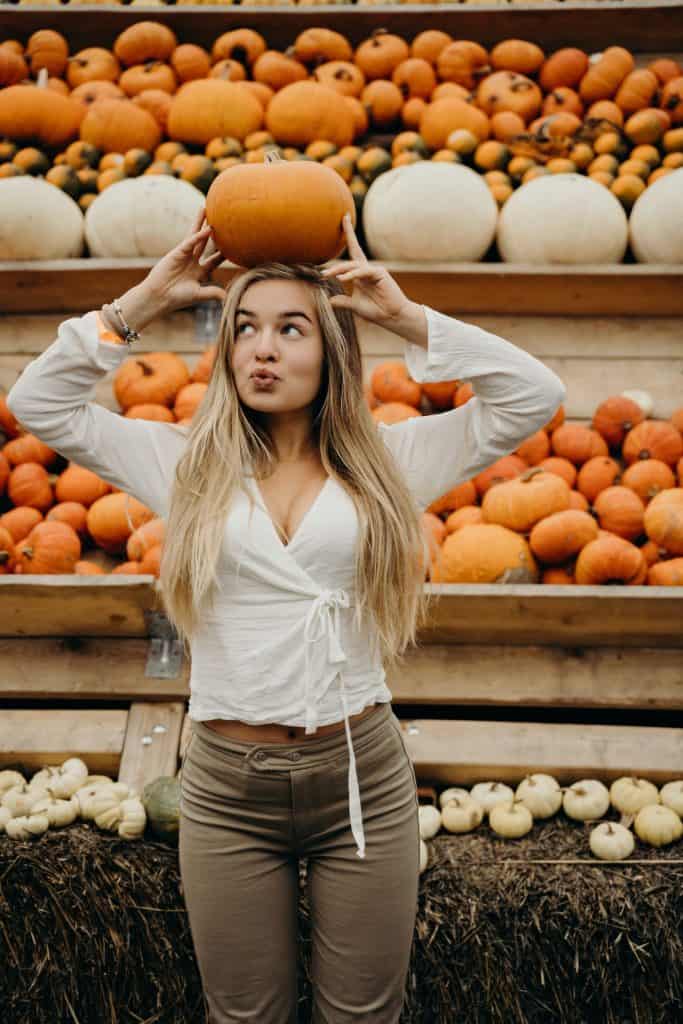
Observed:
{"x":151,"y":744}
{"x":479,"y":613}
{"x":536,"y":676}
{"x":79,"y":285}
{"x":637,"y":24}
{"x":466,"y":752}
{"x":39,"y":738}
{"x":24,"y":336}
{"x":76,"y":605}
{"x":84,"y":668}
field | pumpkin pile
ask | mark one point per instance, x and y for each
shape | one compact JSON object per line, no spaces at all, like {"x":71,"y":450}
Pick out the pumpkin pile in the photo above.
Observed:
{"x":598,"y":504}
{"x":512,"y":113}
{"x":655,"y":814}
{"x":57,"y":796}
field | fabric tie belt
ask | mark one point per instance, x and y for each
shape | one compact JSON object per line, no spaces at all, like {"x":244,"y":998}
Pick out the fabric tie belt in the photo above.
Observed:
{"x":323,"y":621}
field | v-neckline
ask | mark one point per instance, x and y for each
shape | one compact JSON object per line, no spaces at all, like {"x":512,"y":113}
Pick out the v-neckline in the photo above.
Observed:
{"x":307,"y":513}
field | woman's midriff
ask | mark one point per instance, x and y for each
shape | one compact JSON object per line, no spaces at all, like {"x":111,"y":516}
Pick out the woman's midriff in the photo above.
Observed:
{"x":273,"y":732}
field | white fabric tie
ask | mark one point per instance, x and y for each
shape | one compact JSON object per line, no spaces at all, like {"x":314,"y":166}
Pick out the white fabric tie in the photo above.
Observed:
{"x":323,"y":620}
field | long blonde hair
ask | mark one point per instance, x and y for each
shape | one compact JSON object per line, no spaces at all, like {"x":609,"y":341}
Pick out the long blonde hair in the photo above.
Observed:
{"x":225,"y":435}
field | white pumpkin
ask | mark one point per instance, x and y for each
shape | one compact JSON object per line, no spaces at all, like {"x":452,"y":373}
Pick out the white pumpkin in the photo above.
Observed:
{"x":451,"y":793}
{"x":671,"y":795}
{"x":5,"y":816}
{"x":511,"y":819}
{"x":38,"y":221}
{"x":586,"y":799}
{"x":562,"y":218}
{"x":27,"y":825}
{"x":429,"y":212}
{"x":658,"y":825}
{"x":488,"y":794}
{"x":642,"y":398}
{"x":430,"y":821}
{"x":656,"y":221}
{"x":143,"y":216}
{"x":9,"y":779}
{"x":611,"y":841}
{"x":462,"y":814}
{"x":541,"y":793}
{"x":628,"y":794}
{"x":424,"y":855}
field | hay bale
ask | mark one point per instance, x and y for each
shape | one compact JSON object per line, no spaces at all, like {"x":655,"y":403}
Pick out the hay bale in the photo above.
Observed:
{"x":94,"y":929}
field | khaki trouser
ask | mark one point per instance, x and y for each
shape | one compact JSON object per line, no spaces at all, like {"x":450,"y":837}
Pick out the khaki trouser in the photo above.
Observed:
{"x":247,"y":812}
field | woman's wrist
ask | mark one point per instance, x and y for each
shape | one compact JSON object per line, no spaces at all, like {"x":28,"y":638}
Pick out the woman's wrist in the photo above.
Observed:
{"x":140,"y":305}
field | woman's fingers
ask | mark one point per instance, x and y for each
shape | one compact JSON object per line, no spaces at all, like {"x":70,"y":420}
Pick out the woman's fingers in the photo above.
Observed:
{"x":352,"y":243}
{"x":199,"y":219}
{"x":338,"y":268}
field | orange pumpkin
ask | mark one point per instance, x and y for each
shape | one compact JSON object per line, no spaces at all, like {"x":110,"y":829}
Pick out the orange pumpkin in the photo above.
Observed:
{"x":653,"y":439}
{"x":113,"y":518}
{"x":143,"y":41}
{"x":29,"y":112}
{"x":457,"y":497}
{"x":47,"y":49}
{"x":157,"y":103}
{"x":665,"y":68}
{"x":610,"y":560}
{"x":664,"y":520}
{"x":637,"y":91}
{"x":380,"y":55}
{"x":414,"y":77}
{"x":149,"y":535}
{"x":317,"y":45}
{"x":596,"y":474}
{"x":508,"y":467}
{"x":115,"y":126}
{"x":620,"y":511}
{"x":535,"y":448}
{"x":603,"y":78}
{"x":463,"y":62}
{"x":614,"y":417}
{"x":648,"y":478}
{"x":444,"y":116}
{"x":7,"y":552}
{"x":427,"y":45}
{"x":28,"y":448}
{"x":190,"y":61}
{"x":671,"y":99}
{"x":305,"y":111}
{"x":484,"y":553}
{"x":465,"y":516}
{"x":560,"y":536}
{"x":242,"y":44}
{"x":29,"y":484}
{"x":507,"y":90}
{"x":666,"y":574}
{"x":154,"y":74}
{"x":91,"y":92}
{"x":277,"y":70}
{"x":520,"y":503}
{"x":20,"y":521}
{"x":208,"y":108}
{"x":517,"y":55}
{"x":92,"y":64}
{"x":391,"y":382}
{"x":13,"y":67}
{"x":294,"y":214}
{"x":342,"y":76}
{"x":393,"y":412}
{"x":73,"y":514}
{"x":564,"y":67}
{"x":383,"y":101}
{"x":577,"y":443}
{"x":154,"y":377}
{"x":81,"y":485}
{"x":51,"y":548}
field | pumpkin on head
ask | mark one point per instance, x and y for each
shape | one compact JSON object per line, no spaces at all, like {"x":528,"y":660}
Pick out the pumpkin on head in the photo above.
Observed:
{"x":279,"y":210}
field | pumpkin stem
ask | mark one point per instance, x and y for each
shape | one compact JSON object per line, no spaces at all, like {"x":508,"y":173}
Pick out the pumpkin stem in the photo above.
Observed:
{"x":41,"y":81}
{"x":272,"y":156}
{"x":528,"y":474}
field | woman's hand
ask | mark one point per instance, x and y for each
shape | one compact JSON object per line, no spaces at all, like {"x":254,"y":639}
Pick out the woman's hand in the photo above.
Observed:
{"x":375,"y":296}
{"x":179,"y":278}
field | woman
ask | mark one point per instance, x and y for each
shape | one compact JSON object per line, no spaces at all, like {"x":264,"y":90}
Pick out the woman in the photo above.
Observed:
{"x":294,"y":566}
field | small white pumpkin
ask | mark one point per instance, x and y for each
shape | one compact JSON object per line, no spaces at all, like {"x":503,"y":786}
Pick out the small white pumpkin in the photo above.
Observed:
{"x":38,"y":221}
{"x":430,"y":820}
{"x":656,"y":221}
{"x":5,"y":816}
{"x":59,"y":812}
{"x":20,"y":799}
{"x":511,"y":819}
{"x":658,"y":825}
{"x":27,"y":826}
{"x":671,"y":795}
{"x":424,"y":855}
{"x":611,"y":841}
{"x":61,"y":784}
{"x":143,"y":216}
{"x":451,"y":794}
{"x":133,"y":818}
{"x":541,"y":793}
{"x":586,"y":800}
{"x":9,"y":779}
{"x":429,"y":212}
{"x":628,"y":794}
{"x":488,"y":794}
{"x":94,"y":780}
{"x":642,"y":398}
{"x":462,"y":815}
{"x":562,"y":218}
{"x":109,"y":817}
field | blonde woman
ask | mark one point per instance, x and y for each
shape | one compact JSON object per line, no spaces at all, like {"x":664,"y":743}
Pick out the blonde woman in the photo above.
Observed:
{"x":293,"y":570}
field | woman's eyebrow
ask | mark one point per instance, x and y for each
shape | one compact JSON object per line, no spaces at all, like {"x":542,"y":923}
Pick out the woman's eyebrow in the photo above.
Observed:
{"x":282,"y":316}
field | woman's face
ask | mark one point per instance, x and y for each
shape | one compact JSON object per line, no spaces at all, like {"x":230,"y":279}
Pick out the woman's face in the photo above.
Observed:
{"x":276,"y":329}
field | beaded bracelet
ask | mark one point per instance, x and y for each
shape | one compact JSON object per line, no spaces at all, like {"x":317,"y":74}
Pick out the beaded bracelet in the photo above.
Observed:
{"x":129,"y":335}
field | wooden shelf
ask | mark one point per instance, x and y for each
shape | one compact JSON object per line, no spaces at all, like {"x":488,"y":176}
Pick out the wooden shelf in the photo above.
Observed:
{"x":571,"y":616}
{"x":639,"y":25}
{"x":78,"y":285}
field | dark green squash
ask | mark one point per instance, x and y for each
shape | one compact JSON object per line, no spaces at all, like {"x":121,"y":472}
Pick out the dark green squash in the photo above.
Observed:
{"x":161,"y":800}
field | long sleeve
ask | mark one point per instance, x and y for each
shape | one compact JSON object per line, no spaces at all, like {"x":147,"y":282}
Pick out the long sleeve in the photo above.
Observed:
{"x":53,"y":400}
{"x":515,"y":395}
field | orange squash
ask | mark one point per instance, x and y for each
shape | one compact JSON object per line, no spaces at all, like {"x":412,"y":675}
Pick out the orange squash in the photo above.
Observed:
{"x":190,"y":61}
{"x":648,"y":478}
{"x":596,"y":475}
{"x":603,"y":78}
{"x":517,"y":55}
{"x":564,"y":67}
{"x":664,"y":520}
{"x":143,"y":41}
{"x":94,"y":63}
{"x":444,"y":116}
{"x":463,"y":62}
{"x":561,"y":535}
{"x":507,"y":90}
{"x":615,"y":416}
{"x":51,"y":548}
{"x":380,"y":55}
{"x":620,"y":510}
{"x":653,"y":439}
{"x":428,"y":44}
{"x":610,"y":560}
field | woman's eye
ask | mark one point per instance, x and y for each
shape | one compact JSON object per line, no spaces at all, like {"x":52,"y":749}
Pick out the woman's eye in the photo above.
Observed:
{"x":287,"y":326}
{"x":241,"y":327}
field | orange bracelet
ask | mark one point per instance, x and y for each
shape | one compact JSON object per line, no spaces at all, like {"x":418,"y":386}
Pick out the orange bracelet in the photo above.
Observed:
{"x":105,"y":334}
